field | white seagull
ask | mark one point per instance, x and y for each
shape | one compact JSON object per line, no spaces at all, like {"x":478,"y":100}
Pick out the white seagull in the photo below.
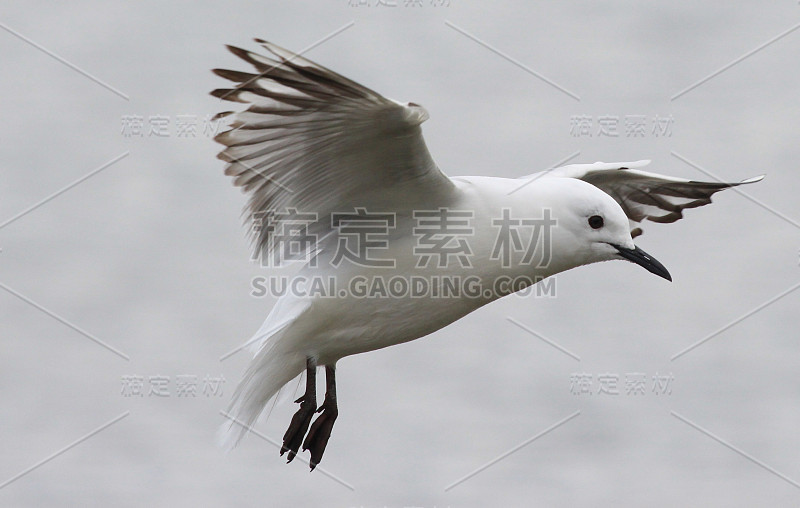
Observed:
{"x":340,"y":176}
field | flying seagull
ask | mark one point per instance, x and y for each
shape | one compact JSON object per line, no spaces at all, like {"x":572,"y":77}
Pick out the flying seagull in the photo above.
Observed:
{"x":339,"y":177}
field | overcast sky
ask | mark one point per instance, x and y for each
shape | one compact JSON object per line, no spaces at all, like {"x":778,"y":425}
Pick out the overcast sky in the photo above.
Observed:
{"x":142,"y":271}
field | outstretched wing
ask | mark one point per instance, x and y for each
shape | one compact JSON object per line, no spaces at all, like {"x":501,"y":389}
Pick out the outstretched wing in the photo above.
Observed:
{"x":645,"y":195}
{"x":313,"y":142}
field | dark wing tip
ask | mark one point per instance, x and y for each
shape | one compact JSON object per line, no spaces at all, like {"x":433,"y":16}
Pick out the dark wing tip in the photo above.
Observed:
{"x":235,"y":50}
{"x":222,"y":114}
{"x":227,"y":94}
{"x":237,"y":76}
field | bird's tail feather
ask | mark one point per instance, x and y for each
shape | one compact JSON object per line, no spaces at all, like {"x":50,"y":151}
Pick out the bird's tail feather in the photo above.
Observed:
{"x":272,"y":367}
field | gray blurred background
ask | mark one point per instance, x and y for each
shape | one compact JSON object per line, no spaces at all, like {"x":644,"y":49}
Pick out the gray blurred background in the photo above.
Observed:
{"x":148,"y":256}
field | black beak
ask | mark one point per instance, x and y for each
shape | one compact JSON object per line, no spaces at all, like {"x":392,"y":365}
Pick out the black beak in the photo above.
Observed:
{"x":648,"y":262}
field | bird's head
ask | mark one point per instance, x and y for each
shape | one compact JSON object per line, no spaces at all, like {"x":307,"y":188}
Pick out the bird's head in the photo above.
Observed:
{"x":595,"y":227}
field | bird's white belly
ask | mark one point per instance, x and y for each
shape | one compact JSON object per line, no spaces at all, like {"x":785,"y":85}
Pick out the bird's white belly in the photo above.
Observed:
{"x":361,"y":318}
{"x":351,"y":325}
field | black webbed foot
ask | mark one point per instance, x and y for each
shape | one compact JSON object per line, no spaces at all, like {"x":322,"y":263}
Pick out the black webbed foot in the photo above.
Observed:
{"x":320,"y":432}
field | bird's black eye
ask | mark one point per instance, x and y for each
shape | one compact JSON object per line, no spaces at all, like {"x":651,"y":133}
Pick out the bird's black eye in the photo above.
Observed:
{"x":595,"y":222}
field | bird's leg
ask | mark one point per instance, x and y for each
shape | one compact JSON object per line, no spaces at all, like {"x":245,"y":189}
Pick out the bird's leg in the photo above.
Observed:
{"x":302,"y":418}
{"x":320,"y":432}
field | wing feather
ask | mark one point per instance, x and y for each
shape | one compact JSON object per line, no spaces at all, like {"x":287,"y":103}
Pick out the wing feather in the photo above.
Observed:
{"x":644,"y":195}
{"x":314,"y":141}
